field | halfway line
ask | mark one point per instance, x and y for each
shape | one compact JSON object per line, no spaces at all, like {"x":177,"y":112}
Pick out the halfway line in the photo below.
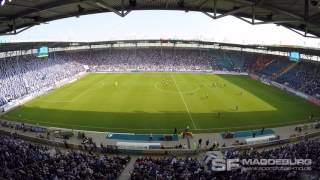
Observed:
{"x":184,"y":102}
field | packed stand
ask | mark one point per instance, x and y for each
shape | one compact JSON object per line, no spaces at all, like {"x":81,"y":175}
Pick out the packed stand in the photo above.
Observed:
{"x":22,"y":160}
{"x":189,"y":168}
{"x":24,"y":75}
{"x":168,"y":168}
{"x":148,"y":59}
{"x":224,"y":60}
{"x":306,"y":149}
{"x":304,"y":77}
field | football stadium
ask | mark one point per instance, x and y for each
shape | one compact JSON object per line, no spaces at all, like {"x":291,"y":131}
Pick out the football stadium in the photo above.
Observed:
{"x":159,"y":108}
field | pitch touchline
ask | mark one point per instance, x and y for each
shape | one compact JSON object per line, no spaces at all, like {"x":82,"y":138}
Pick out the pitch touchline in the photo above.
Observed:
{"x":184,"y":102}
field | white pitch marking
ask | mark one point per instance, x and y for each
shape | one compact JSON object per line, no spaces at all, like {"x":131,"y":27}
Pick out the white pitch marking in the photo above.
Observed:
{"x":184,"y":102}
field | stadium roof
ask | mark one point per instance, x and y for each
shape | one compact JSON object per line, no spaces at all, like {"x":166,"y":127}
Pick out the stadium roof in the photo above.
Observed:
{"x":301,"y":16}
{"x":6,"y":47}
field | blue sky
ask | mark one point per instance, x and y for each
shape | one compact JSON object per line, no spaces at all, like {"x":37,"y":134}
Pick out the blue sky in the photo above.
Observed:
{"x":161,"y":24}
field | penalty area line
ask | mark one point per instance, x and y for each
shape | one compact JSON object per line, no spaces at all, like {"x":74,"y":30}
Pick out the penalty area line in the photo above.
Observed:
{"x":184,"y":102}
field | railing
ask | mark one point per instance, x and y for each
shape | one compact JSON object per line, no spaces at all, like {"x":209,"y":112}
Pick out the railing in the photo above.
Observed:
{"x":164,"y":151}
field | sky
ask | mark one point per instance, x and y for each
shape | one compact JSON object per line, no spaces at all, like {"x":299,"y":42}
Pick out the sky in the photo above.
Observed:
{"x":164,"y":25}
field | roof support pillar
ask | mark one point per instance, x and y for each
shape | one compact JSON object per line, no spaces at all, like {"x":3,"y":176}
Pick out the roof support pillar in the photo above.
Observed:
{"x":301,"y":33}
{"x":215,"y":9}
{"x":14,"y":26}
{"x":122,"y":8}
{"x":245,"y":20}
{"x":15,"y":32}
{"x":253,"y":13}
{"x":306,"y":15}
{"x":214,"y":16}
{"x":203,"y":4}
{"x":105,"y":5}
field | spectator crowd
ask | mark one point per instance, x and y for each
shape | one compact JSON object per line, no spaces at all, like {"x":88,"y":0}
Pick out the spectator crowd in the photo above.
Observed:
{"x":169,"y":168}
{"x":24,"y":75}
{"x":190,"y":168}
{"x":304,"y":77}
{"x":20,"y":159}
{"x":23,"y":160}
{"x":147,"y":59}
{"x":27,"y":74}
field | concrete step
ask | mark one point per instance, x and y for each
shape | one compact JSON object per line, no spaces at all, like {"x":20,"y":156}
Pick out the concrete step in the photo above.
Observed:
{"x":126,"y":173}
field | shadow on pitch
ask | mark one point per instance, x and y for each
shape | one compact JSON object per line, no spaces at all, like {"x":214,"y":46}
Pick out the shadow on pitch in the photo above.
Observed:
{"x":147,"y":122}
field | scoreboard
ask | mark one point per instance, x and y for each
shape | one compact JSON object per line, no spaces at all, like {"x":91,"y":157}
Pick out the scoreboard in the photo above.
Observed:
{"x":42,"y":51}
{"x":294,"y":56}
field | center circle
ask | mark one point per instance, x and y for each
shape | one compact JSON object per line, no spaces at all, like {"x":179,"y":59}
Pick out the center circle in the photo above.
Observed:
{"x":170,"y":86}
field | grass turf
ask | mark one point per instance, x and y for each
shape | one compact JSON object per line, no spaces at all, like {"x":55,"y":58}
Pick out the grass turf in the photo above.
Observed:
{"x":159,"y":102}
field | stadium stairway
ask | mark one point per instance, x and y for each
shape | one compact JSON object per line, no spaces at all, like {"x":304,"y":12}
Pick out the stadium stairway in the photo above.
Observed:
{"x":259,"y":65}
{"x":221,"y":60}
{"x":126,"y":173}
{"x":267,"y":64}
{"x":274,"y":68}
{"x":285,"y":70}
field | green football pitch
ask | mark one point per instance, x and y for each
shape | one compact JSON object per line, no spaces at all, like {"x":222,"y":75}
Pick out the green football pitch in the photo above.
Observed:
{"x":160,"y":102}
